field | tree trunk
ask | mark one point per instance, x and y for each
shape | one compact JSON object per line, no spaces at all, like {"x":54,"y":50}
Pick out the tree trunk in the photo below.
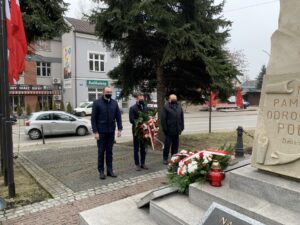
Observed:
{"x":161,"y":89}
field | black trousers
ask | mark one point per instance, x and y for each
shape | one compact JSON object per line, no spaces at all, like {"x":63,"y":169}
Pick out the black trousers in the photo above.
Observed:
{"x":105,"y":145}
{"x":138,"y":147}
{"x":173,"y":142}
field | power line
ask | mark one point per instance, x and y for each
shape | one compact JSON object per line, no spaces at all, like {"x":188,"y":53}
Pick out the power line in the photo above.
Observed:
{"x":251,"y":6}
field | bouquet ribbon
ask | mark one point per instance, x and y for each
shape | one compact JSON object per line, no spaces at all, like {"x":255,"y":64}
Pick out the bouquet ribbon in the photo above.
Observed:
{"x":153,"y":130}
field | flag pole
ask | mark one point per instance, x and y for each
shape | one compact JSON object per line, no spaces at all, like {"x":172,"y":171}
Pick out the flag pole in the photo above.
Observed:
{"x":2,"y":104}
{"x":6,"y":123}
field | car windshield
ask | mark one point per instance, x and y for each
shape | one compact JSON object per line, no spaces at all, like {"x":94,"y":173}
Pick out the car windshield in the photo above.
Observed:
{"x":83,"y":105}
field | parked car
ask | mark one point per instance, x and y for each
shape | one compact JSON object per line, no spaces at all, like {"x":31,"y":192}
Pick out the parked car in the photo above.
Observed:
{"x":55,"y":123}
{"x":84,"y":109}
{"x":232,"y":100}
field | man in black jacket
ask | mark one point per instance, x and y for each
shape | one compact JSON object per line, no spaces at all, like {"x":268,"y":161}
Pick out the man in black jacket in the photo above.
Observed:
{"x":172,"y":122}
{"x":138,"y":146}
{"x":105,"y":114}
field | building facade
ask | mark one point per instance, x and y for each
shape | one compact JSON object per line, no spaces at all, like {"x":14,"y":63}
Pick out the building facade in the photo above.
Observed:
{"x":39,"y":86}
{"x":85,"y":79}
{"x":70,"y":69}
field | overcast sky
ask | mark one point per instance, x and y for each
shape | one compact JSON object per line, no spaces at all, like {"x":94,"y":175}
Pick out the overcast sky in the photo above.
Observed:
{"x":254,"y":21}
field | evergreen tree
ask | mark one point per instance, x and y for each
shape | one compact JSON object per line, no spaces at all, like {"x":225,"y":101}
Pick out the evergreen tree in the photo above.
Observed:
{"x":43,"y":19}
{"x":19,"y":111}
{"x":69,"y":108}
{"x":260,"y":77}
{"x":168,"y":46}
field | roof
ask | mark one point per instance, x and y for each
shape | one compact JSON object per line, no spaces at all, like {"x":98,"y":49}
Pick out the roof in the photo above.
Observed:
{"x":81,"y":26}
{"x":249,"y":85}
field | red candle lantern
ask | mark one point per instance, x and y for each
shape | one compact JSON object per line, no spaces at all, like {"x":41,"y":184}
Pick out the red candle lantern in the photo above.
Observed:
{"x":216,"y":175}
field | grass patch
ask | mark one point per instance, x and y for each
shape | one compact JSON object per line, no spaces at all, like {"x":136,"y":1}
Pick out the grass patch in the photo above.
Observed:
{"x":28,"y":191}
{"x":214,"y":140}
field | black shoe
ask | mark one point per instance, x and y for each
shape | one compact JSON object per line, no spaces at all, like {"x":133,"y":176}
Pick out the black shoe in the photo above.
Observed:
{"x":102,"y":176}
{"x":111,"y":174}
{"x":144,"y":167}
{"x":137,"y":168}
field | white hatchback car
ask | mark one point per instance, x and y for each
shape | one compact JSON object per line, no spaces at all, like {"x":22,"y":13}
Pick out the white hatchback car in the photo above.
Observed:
{"x":84,"y":109}
{"x":55,"y":123}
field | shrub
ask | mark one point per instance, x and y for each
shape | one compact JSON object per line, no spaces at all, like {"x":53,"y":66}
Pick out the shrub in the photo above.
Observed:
{"x":69,"y":108}
{"x":19,"y":110}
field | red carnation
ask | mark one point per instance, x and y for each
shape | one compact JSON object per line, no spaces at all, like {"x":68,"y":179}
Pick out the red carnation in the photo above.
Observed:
{"x":201,"y":155}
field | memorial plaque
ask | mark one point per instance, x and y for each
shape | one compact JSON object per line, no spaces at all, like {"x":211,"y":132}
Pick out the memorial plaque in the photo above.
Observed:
{"x":277,"y":139}
{"x":221,"y":215}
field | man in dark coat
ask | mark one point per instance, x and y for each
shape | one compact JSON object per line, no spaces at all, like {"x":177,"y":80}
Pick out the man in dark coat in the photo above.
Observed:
{"x":105,"y":114}
{"x":172,"y":122}
{"x":138,"y":145}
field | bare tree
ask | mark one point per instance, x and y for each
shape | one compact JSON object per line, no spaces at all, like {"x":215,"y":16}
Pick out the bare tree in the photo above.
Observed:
{"x":239,"y":59}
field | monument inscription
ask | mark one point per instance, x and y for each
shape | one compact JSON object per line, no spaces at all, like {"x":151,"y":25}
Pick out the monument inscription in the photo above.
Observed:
{"x":276,"y":145}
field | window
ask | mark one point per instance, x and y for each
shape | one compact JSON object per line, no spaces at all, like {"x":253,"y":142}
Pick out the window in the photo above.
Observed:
{"x":96,"y":62}
{"x":44,"y":117}
{"x":16,"y":100}
{"x":94,"y":93}
{"x":62,"y":117}
{"x":43,"y":69}
{"x":45,"y":102}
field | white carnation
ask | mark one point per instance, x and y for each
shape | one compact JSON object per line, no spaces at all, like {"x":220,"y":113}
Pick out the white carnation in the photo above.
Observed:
{"x":192,"y":167}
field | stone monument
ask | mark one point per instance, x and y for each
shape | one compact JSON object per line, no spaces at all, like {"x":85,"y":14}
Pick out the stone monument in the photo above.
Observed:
{"x":277,"y":140}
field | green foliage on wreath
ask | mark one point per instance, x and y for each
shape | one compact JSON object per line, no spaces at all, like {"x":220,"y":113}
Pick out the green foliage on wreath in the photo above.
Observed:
{"x":199,"y":175}
{"x":183,"y":182}
{"x":143,"y":118}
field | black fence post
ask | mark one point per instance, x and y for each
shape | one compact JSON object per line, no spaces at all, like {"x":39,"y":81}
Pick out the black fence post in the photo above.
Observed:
{"x":239,"y":147}
{"x":43,"y":137}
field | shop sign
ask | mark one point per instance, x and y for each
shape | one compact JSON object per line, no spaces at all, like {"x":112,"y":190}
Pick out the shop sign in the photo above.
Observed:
{"x":97,"y":83}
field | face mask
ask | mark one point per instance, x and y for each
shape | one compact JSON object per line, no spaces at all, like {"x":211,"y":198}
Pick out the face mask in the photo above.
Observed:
{"x":141,"y":102}
{"x":173,"y":102}
{"x":108,"y":96}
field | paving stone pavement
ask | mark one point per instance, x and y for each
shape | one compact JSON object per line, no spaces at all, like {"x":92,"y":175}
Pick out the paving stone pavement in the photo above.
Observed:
{"x":70,"y":176}
{"x":65,"y":210}
{"x":76,"y":167}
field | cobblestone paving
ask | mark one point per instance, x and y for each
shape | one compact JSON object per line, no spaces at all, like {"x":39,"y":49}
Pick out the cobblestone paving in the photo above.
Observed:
{"x":76,"y":167}
{"x":70,"y":176}
{"x":65,"y":211}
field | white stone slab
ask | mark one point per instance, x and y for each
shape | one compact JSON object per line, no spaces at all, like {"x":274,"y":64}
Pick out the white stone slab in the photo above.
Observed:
{"x":122,"y":212}
{"x":154,"y":194}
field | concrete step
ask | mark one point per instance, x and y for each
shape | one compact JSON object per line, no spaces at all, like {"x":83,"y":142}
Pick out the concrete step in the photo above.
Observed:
{"x":120,"y":212}
{"x":203,"y":195}
{"x":175,"y":209}
{"x":266,"y":186}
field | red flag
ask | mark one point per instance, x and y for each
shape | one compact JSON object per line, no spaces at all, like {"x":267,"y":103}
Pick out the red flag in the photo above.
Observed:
{"x":214,"y":100}
{"x":16,"y":40}
{"x":10,"y":54}
{"x":239,"y":97}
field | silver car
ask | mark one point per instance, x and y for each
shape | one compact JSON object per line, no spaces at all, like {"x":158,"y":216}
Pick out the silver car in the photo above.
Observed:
{"x":55,"y":123}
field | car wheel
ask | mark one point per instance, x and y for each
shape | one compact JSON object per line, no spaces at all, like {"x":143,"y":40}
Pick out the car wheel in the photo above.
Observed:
{"x":81,"y":131}
{"x":34,"y":134}
{"x":82,"y":114}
